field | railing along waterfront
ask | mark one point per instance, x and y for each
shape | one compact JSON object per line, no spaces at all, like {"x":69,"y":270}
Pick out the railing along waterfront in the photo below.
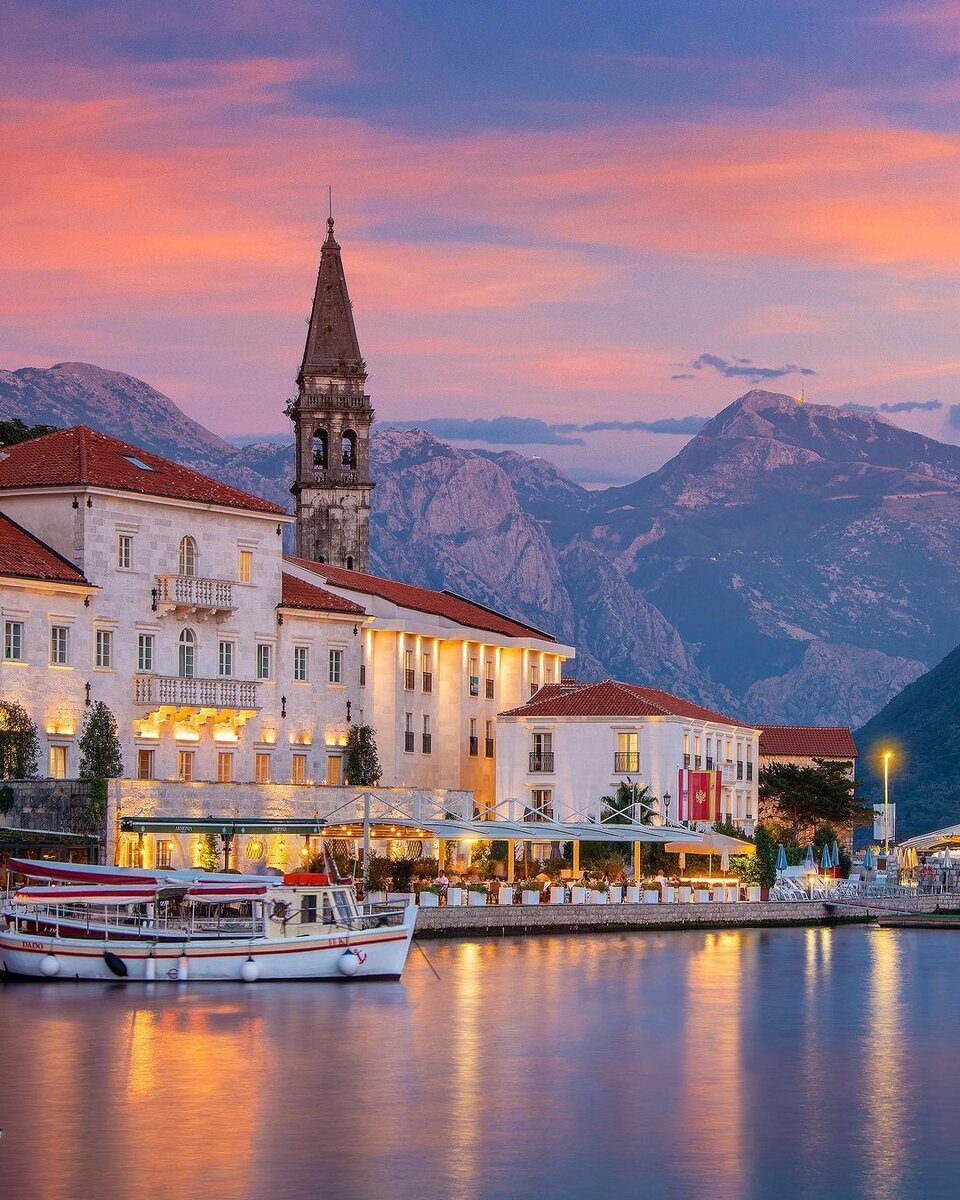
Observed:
{"x":192,"y":692}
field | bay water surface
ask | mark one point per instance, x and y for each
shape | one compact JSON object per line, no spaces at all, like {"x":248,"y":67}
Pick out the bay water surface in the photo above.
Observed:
{"x":741,"y":1065}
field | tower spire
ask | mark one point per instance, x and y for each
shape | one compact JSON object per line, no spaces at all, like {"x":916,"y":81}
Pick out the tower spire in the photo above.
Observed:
{"x":332,"y":416}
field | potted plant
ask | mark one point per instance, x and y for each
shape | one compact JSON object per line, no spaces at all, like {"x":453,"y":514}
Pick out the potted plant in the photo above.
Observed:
{"x":633,"y":894}
{"x":430,"y":896}
{"x":599,"y":891}
{"x":651,"y":894}
{"x":455,"y":896}
{"x":530,"y":892}
{"x":558,"y":893}
{"x":505,"y":893}
{"x":578,"y":894}
{"x":477,"y":894}
{"x":616,"y":893}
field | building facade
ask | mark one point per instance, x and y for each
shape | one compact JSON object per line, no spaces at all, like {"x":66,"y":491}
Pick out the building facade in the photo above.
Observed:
{"x":807,"y":745}
{"x":571,"y":744}
{"x":435,"y":671}
{"x":332,"y":416}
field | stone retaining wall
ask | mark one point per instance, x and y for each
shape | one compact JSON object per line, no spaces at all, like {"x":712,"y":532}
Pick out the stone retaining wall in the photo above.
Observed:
{"x":504,"y":920}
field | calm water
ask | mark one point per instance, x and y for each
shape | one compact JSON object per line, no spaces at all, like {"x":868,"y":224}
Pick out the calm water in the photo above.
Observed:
{"x":752,"y":1064}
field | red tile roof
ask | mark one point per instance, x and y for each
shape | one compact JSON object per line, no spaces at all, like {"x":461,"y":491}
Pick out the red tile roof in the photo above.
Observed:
{"x":297,"y":594}
{"x":441,"y":604}
{"x":26,"y":557}
{"x":78,"y":456}
{"x":610,"y":698}
{"x":807,"y":741}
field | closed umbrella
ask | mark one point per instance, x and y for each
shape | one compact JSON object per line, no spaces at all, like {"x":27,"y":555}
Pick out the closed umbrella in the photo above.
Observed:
{"x":869,"y":860}
{"x":725,"y":860}
{"x":781,"y":860}
{"x":826,"y":859}
{"x":809,"y":863}
{"x":947,"y":859}
{"x":835,"y":859}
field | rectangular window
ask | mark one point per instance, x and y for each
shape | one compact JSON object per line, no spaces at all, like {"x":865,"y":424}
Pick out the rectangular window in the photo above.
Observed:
{"x":185,"y":759}
{"x":474,"y":678}
{"x":334,"y":770}
{"x":13,"y":641}
{"x":245,"y":566}
{"x":363,"y":674}
{"x":59,"y":643}
{"x":427,"y":736}
{"x":541,"y":757}
{"x":627,"y":757}
{"x":264,"y":661}
{"x":145,"y":764}
{"x":104,"y":652}
{"x":409,"y":674}
{"x":301,"y":658}
{"x":488,"y":740}
{"x":224,"y":766}
{"x":226,"y":658}
{"x":124,"y":551}
{"x":426,"y":669}
{"x":473,"y":744}
{"x":548,"y":674}
{"x":145,"y":653}
{"x":298,"y":769}
{"x":335,"y":673}
{"x":164,"y":853}
{"x":408,"y":734}
{"x":58,"y":762}
{"x":541,"y":805}
{"x":534,"y":679}
{"x":261,"y":768}
{"x":488,"y":680}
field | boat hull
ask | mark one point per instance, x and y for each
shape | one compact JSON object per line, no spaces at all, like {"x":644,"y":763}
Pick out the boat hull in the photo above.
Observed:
{"x":370,"y":954}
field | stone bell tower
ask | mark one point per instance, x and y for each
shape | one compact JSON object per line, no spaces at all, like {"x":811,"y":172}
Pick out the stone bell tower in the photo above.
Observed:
{"x":332,"y":416}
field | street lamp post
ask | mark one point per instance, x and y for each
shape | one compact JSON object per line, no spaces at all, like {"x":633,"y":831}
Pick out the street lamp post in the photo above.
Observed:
{"x":886,"y":802}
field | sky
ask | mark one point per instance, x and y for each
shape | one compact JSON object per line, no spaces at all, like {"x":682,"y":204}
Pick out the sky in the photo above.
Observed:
{"x":553,"y":215}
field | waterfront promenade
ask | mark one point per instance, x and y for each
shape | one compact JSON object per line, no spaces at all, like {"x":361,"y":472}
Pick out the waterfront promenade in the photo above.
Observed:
{"x":501,"y":920}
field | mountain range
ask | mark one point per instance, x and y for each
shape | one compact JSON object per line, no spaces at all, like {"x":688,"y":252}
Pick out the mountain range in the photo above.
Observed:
{"x":794,"y":562}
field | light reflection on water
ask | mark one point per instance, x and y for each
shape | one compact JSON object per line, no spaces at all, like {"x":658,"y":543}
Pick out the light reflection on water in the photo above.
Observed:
{"x":742,"y":1065}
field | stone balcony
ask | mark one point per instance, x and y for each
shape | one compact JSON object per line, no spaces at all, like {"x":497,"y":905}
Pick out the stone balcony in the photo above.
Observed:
{"x":196,"y":701}
{"x":191,"y":595}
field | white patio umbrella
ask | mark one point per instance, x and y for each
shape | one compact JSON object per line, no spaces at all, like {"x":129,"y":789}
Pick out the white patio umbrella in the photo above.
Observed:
{"x":869,"y":859}
{"x":826,"y":859}
{"x":781,"y":860}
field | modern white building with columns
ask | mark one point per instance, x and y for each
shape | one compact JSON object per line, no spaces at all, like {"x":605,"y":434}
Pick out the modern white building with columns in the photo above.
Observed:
{"x":571,"y":744}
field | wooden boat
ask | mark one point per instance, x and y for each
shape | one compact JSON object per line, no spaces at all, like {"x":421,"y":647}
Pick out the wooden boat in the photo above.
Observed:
{"x":103,"y":923}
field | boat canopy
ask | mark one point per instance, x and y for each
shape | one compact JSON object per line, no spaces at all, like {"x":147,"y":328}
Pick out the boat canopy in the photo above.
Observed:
{"x":80,"y":894}
{"x":223,"y":893}
{"x":82,"y":872}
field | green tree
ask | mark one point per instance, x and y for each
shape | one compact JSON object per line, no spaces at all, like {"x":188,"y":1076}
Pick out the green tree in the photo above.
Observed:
{"x":14,"y":431}
{"x":208,"y":856}
{"x":363,"y":761}
{"x":101,"y":756}
{"x":801,"y":798}
{"x":19,"y":744}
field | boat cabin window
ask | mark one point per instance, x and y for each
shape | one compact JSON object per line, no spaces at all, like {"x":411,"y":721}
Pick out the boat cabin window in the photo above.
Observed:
{"x":328,"y":917}
{"x":308,"y":909}
{"x":344,"y":907}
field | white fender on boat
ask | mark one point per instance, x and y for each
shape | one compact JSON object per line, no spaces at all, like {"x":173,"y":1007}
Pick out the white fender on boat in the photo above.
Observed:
{"x":49,"y":965}
{"x":249,"y":972}
{"x":183,"y":969}
{"x":348,"y":963}
{"x":150,"y":968}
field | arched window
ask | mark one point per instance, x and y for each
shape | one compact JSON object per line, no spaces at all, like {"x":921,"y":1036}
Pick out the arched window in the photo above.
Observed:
{"x":188,"y":556}
{"x":187,"y":654}
{"x":349,"y":562}
{"x":348,"y":445}
{"x":320,"y":449}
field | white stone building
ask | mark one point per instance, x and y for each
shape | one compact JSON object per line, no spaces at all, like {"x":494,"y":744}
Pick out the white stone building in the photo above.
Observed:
{"x":436,"y":669}
{"x":572,"y":743}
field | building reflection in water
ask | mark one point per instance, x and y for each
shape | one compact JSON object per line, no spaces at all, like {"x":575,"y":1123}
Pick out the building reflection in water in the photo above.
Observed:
{"x":884,"y":1040}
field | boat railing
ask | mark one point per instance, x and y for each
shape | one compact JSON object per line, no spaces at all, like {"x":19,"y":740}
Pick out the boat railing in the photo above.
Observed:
{"x":119,"y":917}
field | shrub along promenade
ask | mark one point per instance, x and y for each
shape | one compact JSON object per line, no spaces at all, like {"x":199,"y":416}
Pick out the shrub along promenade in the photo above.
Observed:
{"x":502,"y":920}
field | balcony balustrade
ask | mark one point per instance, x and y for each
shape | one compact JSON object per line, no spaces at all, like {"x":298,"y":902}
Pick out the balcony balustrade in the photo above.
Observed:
{"x":626,"y":761}
{"x":474,"y":746}
{"x":409,"y":742}
{"x":488,"y":747}
{"x":428,"y":743}
{"x":426,"y":682}
{"x":177,"y":691}
{"x":194,"y":594}
{"x":409,"y":680}
{"x":489,"y":688}
{"x":541,"y":761}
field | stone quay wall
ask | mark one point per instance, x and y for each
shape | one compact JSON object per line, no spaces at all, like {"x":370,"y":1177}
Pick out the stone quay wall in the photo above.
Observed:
{"x":503,"y":920}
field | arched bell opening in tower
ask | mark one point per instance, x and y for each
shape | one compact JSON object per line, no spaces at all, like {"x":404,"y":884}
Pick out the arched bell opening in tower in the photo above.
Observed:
{"x":349,"y":450}
{"x":320,"y":449}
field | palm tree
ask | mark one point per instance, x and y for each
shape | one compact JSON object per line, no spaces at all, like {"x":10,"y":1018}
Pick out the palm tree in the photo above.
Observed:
{"x":628,"y":802}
